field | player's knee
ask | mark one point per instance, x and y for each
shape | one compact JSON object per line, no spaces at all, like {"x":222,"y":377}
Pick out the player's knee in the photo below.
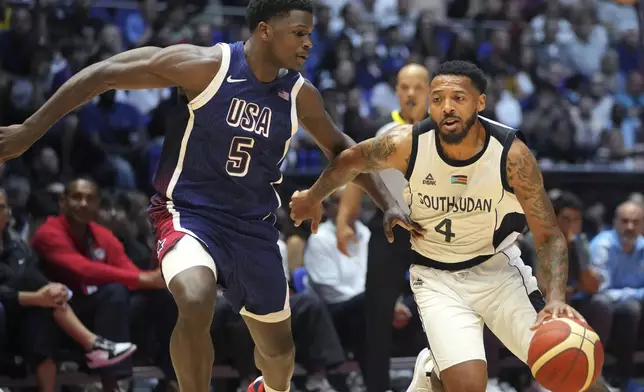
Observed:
{"x":470,"y":376}
{"x":282,"y":357}
{"x":195,"y":292}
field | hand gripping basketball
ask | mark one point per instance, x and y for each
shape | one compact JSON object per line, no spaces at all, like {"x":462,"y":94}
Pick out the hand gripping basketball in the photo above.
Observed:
{"x":566,"y":355}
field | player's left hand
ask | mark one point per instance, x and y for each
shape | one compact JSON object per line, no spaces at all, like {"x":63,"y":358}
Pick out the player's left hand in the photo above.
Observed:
{"x":555,"y":309}
{"x":304,"y":207}
{"x":396,"y":216}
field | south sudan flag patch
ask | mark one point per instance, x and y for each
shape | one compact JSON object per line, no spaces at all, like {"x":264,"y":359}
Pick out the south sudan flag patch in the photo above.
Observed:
{"x":459,"y":180}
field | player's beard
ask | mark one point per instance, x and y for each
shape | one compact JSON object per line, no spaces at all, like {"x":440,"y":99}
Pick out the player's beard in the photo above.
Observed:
{"x":457,"y":137}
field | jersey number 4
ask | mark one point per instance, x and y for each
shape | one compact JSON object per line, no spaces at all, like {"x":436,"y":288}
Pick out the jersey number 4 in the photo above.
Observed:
{"x":445,"y":228}
{"x":239,"y":156}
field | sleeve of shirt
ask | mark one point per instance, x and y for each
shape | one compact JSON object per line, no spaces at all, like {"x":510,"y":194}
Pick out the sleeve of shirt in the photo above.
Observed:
{"x":599,"y":259}
{"x":57,"y":249}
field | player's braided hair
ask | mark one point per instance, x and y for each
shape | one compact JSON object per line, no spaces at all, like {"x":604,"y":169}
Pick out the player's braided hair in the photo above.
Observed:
{"x":467,"y":69}
{"x":263,"y":10}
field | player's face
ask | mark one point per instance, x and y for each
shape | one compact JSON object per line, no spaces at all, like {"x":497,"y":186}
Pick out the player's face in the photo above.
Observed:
{"x":454,"y":106}
{"x":81,"y":201}
{"x":413,"y":93}
{"x":290,"y":39}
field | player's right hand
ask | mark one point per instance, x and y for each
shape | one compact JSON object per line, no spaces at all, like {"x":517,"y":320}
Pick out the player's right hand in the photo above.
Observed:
{"x":346,"y":235}
{"x":14,"y":141}
{"x":304,"y":207}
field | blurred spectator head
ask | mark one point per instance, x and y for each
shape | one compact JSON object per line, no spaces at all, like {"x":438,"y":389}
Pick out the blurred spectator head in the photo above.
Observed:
{"x":111,"y":39}
{"x":345,"y":74}
{"x":553,"y":10}
{"x":586,"y":106}
{"x":343,"y":50}
{"x":412,"y":89}
{"x":493,"y":7}
{"x":351,"y":14}
{"x":21,"y":22}
{"x":583,"y":23}
{"x":80,"y":202}
{"x":550,"y":30}
{"x":598,"y":85}
{"x":610,"y":62}
{"x":500,"y":40}
{"x":569,"y":210}
{"x":46,"y":163}
{"x":370,"y":46}
{"x":203,"y":34}
{"x":425,"y":24}
{"x":634,"y":83}
{"x":528,"y":59}
{"x":113,"y":214}
{"x":563,"y":134}
{"x":322,"y":16}
{"x":629,"y":218}
{"x":18,"y":190}
{"x":457,"y":96}
{"x":5,"y":211}
{"x":404,"y":7}
{"x":547,"y":97}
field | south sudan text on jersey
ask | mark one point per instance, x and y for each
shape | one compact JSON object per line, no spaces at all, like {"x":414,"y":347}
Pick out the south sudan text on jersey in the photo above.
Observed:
{"x":455,"y":204}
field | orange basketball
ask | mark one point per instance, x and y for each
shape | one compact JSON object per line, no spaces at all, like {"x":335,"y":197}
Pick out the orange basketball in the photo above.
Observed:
{"x":566,"y":355}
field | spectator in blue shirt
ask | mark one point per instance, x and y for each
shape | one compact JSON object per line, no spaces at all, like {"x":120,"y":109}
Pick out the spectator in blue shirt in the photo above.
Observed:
{"x":618,"y":255}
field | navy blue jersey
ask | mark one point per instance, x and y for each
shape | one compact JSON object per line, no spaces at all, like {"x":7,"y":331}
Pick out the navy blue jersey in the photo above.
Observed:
{"x":226,"y":163}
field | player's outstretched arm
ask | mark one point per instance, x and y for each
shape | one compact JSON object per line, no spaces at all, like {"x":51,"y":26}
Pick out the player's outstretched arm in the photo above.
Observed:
{"x":332,"y":141}
{"x":190,"y":67}
{"x":526,"y":180}
{"x":388,"y":151}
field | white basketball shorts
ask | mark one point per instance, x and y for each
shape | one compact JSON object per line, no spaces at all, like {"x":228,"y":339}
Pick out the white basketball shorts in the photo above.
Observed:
{"x":454,"y":305}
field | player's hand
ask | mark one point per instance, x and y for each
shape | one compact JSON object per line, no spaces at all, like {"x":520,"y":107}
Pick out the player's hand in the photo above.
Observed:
{"x":14,"y":140}
{"x":304,"y":207}
{"x":396,"y":216}
{"x":402,"y":315}
{"x":346,"y":235}
{"x":555,"y":309}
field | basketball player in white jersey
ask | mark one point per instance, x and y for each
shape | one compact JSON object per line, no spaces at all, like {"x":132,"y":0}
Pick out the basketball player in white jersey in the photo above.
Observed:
{"x":473,"y":185}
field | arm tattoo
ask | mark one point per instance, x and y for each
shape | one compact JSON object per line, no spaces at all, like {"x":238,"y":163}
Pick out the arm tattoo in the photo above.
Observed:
{"x":525,"y":177}
{"x":377,"y":151}
{"x":368,"y":156}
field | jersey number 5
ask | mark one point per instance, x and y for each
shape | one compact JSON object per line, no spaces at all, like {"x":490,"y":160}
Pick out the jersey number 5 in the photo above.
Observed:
{"x":239,"y":156}
{"x":445,"y":228}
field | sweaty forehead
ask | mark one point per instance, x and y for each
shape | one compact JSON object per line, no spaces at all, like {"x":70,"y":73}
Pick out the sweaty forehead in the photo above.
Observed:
{"x":452,"y":83}
{"x":294,"y":18}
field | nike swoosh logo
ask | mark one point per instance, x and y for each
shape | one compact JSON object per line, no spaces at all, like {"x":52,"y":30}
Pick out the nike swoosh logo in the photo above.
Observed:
{"x":231,"y":80}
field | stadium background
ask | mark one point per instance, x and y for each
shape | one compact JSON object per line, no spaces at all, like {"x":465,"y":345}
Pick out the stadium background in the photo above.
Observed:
{"x":580,"y":102}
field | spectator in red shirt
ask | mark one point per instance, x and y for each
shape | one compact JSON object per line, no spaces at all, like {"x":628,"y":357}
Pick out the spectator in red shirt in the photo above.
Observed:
{"x":90,"y":260}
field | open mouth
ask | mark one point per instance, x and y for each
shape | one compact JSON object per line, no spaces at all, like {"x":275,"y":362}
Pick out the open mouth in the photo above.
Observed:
{"x":450,"y":122}
{"x":411,"y":104}
{"x":302,"y":58}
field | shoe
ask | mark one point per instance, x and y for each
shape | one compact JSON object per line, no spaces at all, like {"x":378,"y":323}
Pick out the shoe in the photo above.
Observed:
{"x":422,"y":371}
{"x":106,"y":353}
{"x":257,"y":385}
{"x":493,"y":385}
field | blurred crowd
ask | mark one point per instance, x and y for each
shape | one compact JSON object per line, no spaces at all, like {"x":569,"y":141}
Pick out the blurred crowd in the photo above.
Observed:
{"x":567,"y":72}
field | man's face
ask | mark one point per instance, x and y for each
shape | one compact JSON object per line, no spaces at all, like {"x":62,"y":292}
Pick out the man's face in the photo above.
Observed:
{"x":628,"y":223}
{"x":454,"y":106}
{"x":80,"y":203}
{"x":412,"y":90}
{"x":569,"y":220}
{"x":289,"y":38}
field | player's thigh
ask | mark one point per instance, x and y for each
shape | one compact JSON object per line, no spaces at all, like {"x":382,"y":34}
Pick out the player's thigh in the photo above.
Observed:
{"x":259,"y":284}
{"x":511,"y":309}
{"x":454,"y":330}
{"x":180,"y":252}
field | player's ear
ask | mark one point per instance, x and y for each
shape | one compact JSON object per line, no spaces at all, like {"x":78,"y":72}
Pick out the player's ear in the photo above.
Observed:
{"x":265,"y":31}
{"x":481,"y":104}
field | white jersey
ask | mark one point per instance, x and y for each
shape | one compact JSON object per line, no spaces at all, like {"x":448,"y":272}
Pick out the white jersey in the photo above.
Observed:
{"x":467,"y":208}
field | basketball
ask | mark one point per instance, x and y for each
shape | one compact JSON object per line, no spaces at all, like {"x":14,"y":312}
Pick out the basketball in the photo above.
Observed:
{"x":565,"y":355}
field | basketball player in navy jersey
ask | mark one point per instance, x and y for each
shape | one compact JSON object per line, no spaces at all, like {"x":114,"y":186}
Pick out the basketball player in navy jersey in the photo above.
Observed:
{"x":214,"y":211}
{"x":473,"y":185}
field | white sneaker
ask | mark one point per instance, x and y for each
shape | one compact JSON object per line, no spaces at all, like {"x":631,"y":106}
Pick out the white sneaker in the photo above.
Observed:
{"x":106,"y":353}
{"x":422,"y":370}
